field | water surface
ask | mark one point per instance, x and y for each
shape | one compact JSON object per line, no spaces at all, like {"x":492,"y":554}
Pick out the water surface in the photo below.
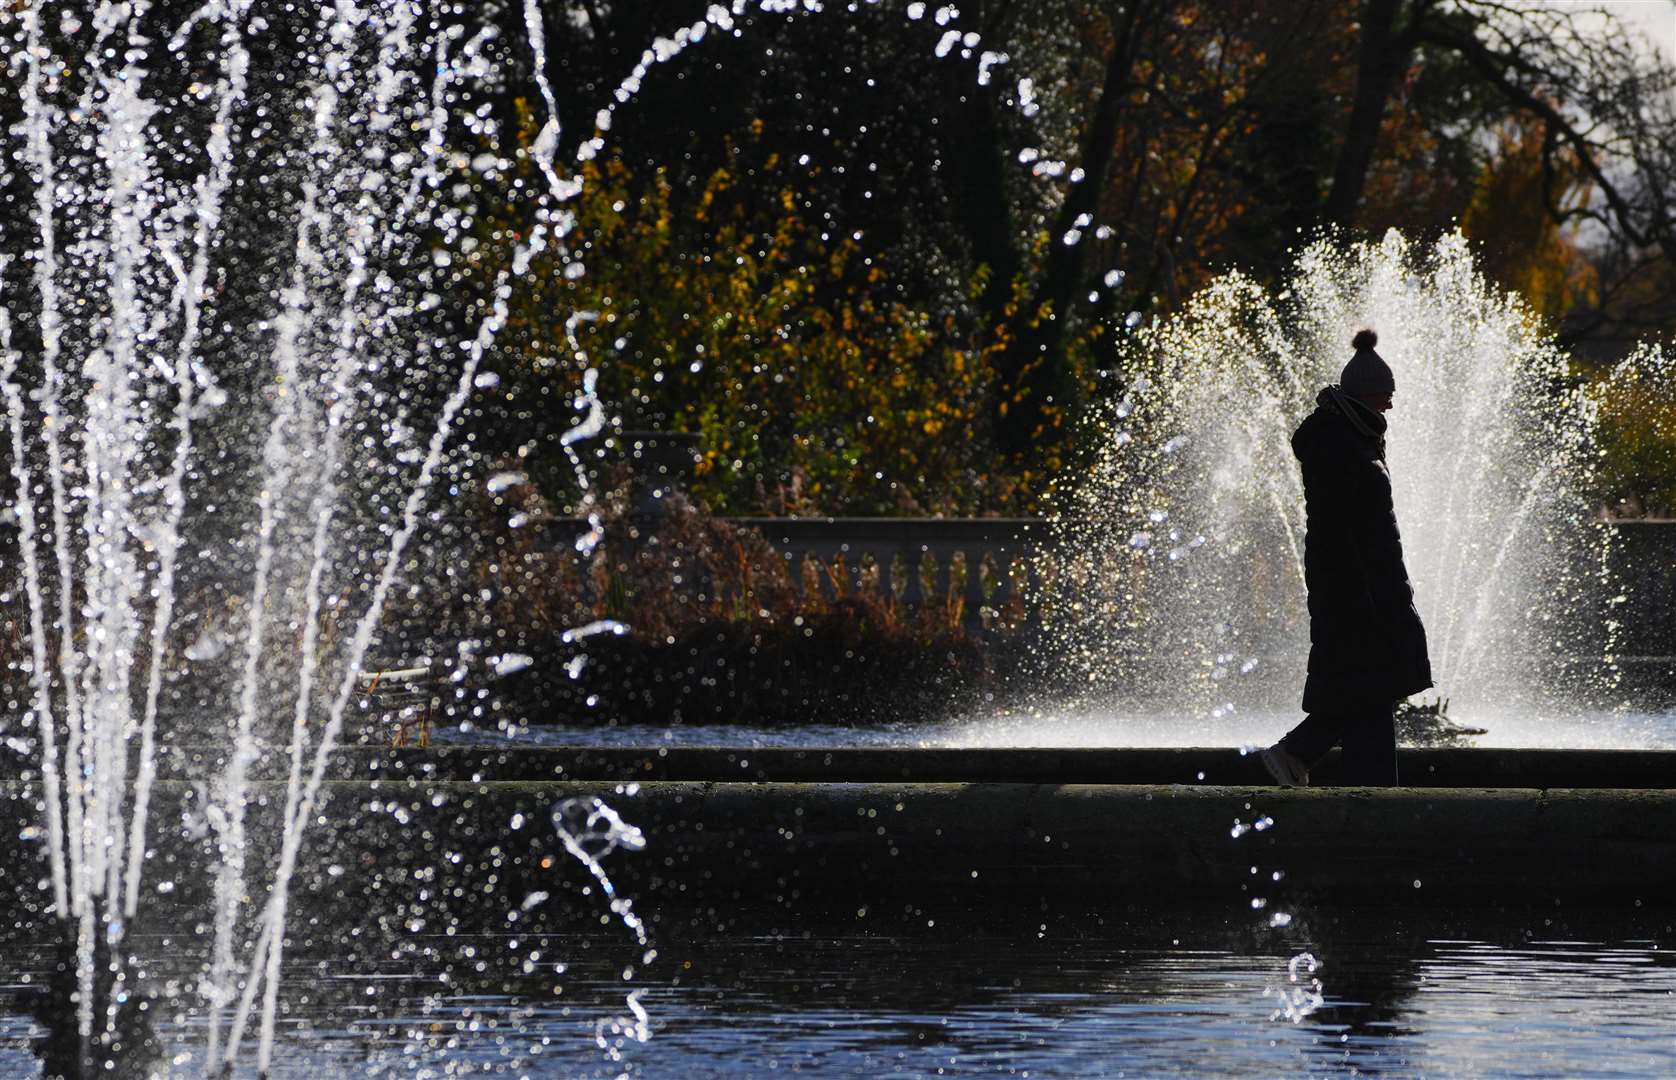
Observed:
{"x":924,"y":992}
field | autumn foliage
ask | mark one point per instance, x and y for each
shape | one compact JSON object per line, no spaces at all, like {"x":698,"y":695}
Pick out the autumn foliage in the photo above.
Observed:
{"x":815,"y":387}
{"x":878,"y":273}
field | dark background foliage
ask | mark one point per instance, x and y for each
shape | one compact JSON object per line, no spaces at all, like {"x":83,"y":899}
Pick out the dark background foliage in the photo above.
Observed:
{"x":903,"y":222}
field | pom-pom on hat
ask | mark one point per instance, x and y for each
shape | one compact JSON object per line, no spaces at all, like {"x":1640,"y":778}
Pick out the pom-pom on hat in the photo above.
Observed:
{"x":1366,"y":373}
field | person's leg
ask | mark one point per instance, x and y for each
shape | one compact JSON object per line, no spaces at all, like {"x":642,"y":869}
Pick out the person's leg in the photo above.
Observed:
{"x":1370,"y":746}
{"x":1318,"y":733}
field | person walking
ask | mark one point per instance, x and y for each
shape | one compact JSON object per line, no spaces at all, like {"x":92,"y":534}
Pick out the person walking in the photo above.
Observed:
{"x":1367,"y":647}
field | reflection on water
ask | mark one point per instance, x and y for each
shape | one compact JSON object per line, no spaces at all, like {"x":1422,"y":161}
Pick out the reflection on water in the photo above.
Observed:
{"x":1006,"y":992}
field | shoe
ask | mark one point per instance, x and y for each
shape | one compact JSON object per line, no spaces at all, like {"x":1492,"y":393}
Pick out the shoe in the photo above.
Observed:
{"x":1283,"y":767}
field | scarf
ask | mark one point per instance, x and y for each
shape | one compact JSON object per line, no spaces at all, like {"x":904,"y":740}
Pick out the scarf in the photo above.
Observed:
{"x":1368,"y":424}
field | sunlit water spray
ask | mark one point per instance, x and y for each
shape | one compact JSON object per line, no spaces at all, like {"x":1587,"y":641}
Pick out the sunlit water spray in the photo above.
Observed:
{"x":1302,"y":993}
{"x":199,"y":437}
{"x":1185,"y":544}
{"x":126,"y":403}
{"x":591,"y":830}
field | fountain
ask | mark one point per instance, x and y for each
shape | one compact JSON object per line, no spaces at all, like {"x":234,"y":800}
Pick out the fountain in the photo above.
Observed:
{"x":232,"y":391}
{"x":221,"y":446}
{"x":1186,"y":539}
{"x":231,"y":386}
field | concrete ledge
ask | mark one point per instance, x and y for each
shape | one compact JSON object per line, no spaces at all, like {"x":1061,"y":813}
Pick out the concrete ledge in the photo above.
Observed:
{"x":485,"y":854}
{"x":1140,"y":843}
{"x":1430,"y":768}
{"x":865,"y":843}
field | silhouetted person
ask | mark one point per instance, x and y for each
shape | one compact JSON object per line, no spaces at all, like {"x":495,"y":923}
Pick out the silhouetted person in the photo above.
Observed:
{"x":1367,"y":649}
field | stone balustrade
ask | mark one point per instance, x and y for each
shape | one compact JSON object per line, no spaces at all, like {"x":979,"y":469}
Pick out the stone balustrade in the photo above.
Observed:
{"x":985,"y":569}
{"x":981,"y":564}
{"x":980,"y":570}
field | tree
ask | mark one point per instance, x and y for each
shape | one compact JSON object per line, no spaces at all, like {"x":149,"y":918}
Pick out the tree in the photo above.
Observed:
{"x":1167,"y":141}
{"x":1201,"y":120}
{"x":1032,"y":380}
{"x":1522,"y":245}
{"x":811,"y":388}
{"x":1598,"y":94}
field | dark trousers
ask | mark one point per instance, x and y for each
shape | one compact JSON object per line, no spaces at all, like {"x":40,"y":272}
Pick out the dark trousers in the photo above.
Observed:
{"x":1368,"y":734}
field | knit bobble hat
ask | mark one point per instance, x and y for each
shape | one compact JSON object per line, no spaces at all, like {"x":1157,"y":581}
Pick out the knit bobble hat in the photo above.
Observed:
{"x":1367,"y":373}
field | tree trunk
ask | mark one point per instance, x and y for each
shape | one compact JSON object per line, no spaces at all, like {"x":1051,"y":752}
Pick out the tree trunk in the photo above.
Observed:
{"x":1383,"y":55}
{"x":1035,"y":386}
{"x":985,"y":212}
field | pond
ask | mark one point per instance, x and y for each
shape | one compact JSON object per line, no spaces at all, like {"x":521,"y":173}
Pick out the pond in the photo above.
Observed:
{"x":924,"y":992}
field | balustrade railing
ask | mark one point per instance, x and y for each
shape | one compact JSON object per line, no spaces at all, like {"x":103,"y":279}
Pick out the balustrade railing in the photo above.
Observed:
{"x":980,"y":565}
{"x":987,"y":572}
{"x":980,"y":571}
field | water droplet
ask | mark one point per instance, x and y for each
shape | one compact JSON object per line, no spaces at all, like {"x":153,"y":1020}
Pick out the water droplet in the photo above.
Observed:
{"x":207,"y":646}
{"x":512,"y":662}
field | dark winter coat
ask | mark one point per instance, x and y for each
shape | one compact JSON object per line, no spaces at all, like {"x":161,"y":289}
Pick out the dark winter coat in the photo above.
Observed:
{"x":1366,"y":642}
